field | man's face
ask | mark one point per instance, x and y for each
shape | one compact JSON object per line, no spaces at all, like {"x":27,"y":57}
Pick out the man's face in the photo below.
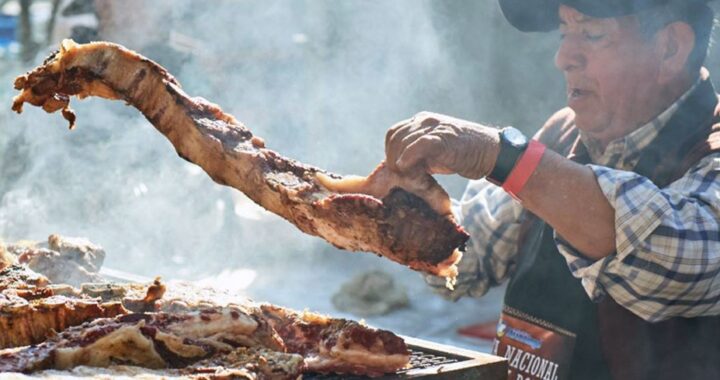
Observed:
{"x":610,"y":71}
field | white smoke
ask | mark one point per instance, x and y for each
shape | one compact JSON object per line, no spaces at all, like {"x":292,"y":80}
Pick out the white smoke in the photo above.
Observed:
{"x":319,"y":80}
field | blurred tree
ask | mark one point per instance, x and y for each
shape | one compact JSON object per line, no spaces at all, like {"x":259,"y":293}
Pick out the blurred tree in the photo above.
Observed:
{"x":51,"y":22}
{"x":28,"y":45}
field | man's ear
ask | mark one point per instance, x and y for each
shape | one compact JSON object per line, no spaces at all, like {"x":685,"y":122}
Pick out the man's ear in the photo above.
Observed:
{"x":675,"y":42}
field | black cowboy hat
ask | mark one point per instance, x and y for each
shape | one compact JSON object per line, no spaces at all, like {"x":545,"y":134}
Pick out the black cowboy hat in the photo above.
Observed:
{"x":542,"y":15}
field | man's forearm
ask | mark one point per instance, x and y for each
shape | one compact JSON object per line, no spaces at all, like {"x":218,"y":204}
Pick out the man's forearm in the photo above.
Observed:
{"x":567,"y":196}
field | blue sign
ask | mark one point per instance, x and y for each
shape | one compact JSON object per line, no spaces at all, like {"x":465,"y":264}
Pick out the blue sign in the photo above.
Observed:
{"x":8,"y":26}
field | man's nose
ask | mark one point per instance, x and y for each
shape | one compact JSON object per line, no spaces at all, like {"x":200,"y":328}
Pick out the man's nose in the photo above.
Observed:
{"x":569,"y":56}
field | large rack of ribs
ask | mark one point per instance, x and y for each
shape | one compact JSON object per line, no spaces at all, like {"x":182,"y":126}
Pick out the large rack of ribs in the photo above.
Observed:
{"x":405,"y":219}
{"x":31,"y":306}
{"x":176,"y":330}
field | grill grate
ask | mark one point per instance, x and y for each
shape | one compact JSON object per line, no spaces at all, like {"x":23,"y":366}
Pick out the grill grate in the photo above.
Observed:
{"x":419,"y":359}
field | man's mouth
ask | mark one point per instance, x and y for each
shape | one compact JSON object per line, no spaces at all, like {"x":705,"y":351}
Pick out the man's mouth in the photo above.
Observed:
{"x":576,"y":92}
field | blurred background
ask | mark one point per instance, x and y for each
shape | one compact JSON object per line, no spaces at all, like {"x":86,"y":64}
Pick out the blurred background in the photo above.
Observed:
{"x":319,"y":80}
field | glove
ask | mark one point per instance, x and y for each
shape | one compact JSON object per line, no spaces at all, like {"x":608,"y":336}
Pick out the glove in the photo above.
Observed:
{"x":440,"y":144}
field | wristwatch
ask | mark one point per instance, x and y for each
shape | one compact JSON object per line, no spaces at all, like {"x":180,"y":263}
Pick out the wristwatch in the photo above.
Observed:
{"x":513,"y":144}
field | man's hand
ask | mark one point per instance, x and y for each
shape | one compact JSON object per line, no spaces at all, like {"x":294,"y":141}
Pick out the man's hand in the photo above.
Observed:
{"x":440,"y":144}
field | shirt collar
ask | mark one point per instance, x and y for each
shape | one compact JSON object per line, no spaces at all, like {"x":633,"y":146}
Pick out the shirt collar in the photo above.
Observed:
{"x":624,"y":153}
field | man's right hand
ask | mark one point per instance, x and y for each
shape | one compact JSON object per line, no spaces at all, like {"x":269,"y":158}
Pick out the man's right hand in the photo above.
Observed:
{"x":440,"y":144}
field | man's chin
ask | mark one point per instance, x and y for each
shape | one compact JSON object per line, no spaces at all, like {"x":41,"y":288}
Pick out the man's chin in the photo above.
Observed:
{"x":590,"y":124}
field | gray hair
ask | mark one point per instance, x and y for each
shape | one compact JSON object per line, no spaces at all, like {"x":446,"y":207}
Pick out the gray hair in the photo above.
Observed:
{"x":696,"y":14}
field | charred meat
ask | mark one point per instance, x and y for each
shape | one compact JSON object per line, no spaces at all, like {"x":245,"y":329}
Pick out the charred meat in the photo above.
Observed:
{"x":404,"y":219}
{"x":157,"y":340}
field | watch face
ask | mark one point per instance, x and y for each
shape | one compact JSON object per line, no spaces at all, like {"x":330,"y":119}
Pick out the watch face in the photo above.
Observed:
{"x":515,"y":137}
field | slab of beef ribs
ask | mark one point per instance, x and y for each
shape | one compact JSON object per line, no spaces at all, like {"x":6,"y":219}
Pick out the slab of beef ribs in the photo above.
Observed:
{"x":405,"y":219}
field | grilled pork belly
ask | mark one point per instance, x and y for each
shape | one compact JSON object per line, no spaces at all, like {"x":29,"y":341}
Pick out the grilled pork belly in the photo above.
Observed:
{"x":404,"y":219}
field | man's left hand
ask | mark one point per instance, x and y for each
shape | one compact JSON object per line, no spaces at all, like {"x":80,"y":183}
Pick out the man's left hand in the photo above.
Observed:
{"x":440,"y":144}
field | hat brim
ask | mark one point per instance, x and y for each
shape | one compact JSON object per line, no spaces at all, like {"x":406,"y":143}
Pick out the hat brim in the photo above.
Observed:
{"x":542,"y":15}
{"x":532,"y":15}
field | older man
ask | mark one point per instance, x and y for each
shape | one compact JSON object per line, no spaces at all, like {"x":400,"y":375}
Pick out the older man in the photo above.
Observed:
{"x":612,"y":240}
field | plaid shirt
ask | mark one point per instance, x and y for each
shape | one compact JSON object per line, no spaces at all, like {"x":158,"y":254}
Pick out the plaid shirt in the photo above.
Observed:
{"x":667,"y":240}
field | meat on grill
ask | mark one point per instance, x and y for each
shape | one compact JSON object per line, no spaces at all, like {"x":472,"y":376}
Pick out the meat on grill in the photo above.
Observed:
{"x":279,"y":341}
{"x":157,"y":340}
{"x":71,"y":261}
{"x":404,"y":219}
{"x":31,"y":308}
{"x":250,"y":364}
{"x":24,"y":322}
{"x":21,"y":278}
{"x":332,"y":345}
{"x":197,"y":336}
{"x":5,"y":258}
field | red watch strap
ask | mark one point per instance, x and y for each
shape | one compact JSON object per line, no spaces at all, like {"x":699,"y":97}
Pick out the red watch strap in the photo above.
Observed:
{"x":524,"y":168}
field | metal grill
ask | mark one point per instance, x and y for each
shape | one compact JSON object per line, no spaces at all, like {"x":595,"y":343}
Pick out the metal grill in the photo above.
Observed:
{"x":418,"y":359}
{"x":433,"y":361}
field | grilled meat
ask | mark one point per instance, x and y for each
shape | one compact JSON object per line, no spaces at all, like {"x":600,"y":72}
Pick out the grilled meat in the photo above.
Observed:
{"x":31,"y":309}
{"x":332,"y":345}
{"x":21,"y":277}
{"x":385,"y":213}
{"x":249,"y":363}
{"x":200,"y":338}
{"x":56,"y":267}
{"x":81,"y":250}
{"x":158,"y":340}
{"x":24,"y":322}
{"x":71,"y":261}
{"x":6,"y":259}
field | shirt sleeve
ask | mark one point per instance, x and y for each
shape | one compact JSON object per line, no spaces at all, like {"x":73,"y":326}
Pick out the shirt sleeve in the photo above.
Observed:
{"x":667,"y":244}
{"x":492,"y":218}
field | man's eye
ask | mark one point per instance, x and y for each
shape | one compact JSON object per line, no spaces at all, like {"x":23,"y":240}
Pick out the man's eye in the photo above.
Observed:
{"x":593,"y":37}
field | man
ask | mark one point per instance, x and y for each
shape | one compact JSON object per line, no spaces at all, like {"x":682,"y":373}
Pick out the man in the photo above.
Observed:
{"x":612,"y":242}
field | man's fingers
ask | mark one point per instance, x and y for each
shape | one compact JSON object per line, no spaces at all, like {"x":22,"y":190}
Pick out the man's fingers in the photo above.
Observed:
{"x":410,"y":142}
{"x":394,"y":148}
{"x":419,"y":151}
{"x":399,"y":145}
{"x":390,"y":132}
{"x":411,"y":137}
{"x":393,"y":137}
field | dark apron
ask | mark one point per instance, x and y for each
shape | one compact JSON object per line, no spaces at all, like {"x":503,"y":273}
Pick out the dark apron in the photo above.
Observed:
{"x":549,"y":328}
{"x":545,"y":302}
